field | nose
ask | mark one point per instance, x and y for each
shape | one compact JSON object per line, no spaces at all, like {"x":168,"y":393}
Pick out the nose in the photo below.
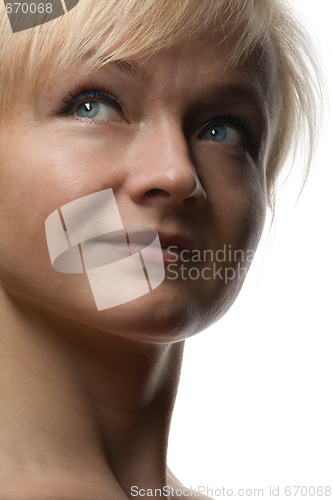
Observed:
{"x":164,"y":173}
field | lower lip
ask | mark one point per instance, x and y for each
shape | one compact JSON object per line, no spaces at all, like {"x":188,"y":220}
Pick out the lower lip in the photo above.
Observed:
{"x":151,"y":254}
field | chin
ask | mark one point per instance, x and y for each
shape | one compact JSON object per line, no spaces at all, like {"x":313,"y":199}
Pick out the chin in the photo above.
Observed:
{"x":168,"y":314}
{"x":172,"y":312}
{"x":161,"y":316}
{"x":156,"y":317}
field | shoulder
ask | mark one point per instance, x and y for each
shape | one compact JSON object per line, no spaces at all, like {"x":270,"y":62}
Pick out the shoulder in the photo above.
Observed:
{"x":188,"y":492}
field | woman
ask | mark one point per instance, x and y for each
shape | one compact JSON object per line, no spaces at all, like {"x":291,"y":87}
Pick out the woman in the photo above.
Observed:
{"x":172,"y":117}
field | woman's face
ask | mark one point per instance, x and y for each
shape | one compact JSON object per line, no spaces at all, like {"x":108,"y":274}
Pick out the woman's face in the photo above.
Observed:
{"x":180,"y":139}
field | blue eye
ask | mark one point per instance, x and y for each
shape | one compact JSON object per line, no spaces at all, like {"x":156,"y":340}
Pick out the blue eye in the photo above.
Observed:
{"x":217,"y":133}
{"x":94,"y":105}
{"x":88,"y":109}
{"x":93,"y":110}
{"x":229,"y":131}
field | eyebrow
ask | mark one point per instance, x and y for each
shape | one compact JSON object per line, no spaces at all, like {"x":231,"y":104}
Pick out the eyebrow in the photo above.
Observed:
{"x":230,"y":93}
{"x":257,"y":96}
{"x":131,"y":68}
{"x":253,"y":94}
{"x":135,"y":70}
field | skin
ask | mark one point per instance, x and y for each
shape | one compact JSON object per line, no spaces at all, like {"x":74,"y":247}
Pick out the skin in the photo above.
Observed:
{"x":89,"y":395}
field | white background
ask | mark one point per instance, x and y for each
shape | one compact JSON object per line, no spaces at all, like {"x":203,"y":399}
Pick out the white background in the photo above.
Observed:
{"x":254,"y":407}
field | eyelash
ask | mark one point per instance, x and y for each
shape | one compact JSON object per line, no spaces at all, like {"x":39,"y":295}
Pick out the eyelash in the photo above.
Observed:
{"x":82,"y":93}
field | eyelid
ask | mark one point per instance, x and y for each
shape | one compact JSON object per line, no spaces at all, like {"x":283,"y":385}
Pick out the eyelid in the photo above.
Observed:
{"x":90,"y":94}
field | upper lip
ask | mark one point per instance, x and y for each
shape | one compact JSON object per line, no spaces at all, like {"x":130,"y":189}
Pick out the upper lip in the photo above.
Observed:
{"x":178,"y":240}
{"x":140,"y":236}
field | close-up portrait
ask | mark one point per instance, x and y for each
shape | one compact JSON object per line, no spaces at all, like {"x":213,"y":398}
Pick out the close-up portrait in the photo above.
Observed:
{"x":164,"y":177}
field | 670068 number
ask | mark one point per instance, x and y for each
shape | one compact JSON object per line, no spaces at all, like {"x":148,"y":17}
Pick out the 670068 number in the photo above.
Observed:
{"x":28,"y":8}
{"x":308,"y":491}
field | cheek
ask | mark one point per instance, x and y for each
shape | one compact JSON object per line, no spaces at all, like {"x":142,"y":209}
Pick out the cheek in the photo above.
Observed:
{"x":236,"y":207}
{"x":78,"y":163}
{"x":60,"y":162}
{"x":44,"y":168}
{"x":236,"y":189}
{"x":39,"y":172}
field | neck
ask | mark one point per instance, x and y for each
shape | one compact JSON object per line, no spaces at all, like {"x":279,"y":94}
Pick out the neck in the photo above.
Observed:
{"x":83,"y":404}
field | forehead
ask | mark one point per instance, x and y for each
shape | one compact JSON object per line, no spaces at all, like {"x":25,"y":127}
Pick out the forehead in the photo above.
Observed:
{"x":209,"y":58}
{"x":201,"y":61}
{"x":202,"y":66}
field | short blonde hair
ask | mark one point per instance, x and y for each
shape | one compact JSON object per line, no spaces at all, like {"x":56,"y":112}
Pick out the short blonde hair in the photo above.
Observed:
{"x":128,"y":28}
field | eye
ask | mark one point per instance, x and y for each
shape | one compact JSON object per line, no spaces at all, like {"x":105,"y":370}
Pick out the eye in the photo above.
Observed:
{"x":223,"y":134}
{"x":95,"y":110}
{"x":95,"y":106}
{"x":229,"y":131}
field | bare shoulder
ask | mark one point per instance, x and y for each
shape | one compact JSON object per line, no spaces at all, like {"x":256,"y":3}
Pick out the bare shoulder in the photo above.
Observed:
{"x":188,"y":493}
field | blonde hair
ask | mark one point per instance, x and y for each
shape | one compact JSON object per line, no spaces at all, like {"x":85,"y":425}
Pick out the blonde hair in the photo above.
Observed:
{"x":127,"y":28}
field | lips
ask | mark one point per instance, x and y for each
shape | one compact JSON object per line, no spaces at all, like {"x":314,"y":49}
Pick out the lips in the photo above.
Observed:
{"x":173,"y":245}
{"x":180,"y":242}
{"x":137,"y":238}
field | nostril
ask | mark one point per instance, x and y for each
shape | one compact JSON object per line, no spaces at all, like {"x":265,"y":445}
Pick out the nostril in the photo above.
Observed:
{"x":152,"y":193}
